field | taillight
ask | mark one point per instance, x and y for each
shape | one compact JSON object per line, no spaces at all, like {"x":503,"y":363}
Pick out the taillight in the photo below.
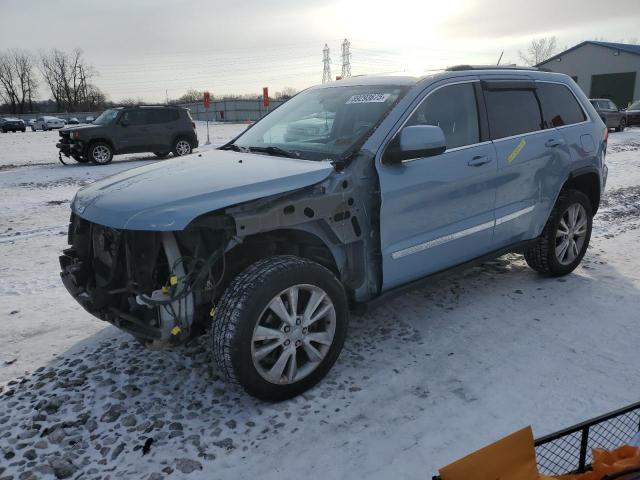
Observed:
{"x":193,"y":124}
{"x":605,"y":137}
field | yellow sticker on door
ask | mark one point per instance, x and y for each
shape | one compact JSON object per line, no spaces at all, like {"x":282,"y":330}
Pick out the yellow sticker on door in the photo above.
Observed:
{"x":516,"y":151}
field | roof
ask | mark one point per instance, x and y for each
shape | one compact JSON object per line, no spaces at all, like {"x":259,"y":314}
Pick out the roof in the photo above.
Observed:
{"x":622,"y":47}
{"x":460,"y":68}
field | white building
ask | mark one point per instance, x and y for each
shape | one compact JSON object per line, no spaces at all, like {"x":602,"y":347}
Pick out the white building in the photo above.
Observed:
{"x":602,"y":69}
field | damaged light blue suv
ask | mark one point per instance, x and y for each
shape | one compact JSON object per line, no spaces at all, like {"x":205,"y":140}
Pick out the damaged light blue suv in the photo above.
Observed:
{"x":268,"y":242}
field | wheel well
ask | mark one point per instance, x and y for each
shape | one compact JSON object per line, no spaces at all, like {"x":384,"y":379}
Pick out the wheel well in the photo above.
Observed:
{"x":587,"y":183}
{"x":278,"y":242}
{"x":103,"y":140}
{"x":182,"y":136}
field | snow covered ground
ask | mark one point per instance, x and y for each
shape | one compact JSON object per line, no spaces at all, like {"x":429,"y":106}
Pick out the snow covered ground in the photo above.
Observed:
{"x":423,"y":380}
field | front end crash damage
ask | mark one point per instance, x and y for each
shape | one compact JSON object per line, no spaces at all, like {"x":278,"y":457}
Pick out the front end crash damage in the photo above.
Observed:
{"x":163,"y":286}
{"x":158,"y":286}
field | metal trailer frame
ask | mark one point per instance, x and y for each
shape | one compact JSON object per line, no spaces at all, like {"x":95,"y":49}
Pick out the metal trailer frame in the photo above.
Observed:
{"x":569,"y":450}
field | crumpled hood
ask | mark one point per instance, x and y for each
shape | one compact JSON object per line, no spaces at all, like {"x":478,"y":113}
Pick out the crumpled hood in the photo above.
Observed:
{"x":80,"y":127}
{"x":168,"y":195}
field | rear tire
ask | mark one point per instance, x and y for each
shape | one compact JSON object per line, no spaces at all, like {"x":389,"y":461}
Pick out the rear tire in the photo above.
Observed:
{"x":565,"y":238}
{"x":622,"y":126}
{"x":181,"y":147}
{"x":313,"y":308}
{"x":100,"y":153}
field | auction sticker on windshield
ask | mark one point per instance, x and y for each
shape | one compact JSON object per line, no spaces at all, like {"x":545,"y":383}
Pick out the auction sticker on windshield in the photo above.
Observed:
{"x":369,"y":98}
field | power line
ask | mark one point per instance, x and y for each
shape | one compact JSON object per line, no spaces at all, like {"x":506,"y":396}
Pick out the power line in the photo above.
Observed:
{"x":346,"y":59}
{"x":326,"y":61}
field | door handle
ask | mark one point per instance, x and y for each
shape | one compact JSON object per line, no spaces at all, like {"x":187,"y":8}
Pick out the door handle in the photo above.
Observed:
{"x":478,"y":160}
{"x":552,"y":143}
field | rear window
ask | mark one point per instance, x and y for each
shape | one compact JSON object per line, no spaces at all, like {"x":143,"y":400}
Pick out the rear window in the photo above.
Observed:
{"x":559,"y":106}
{"x":512,"y":112}
{"x":164,"y":115}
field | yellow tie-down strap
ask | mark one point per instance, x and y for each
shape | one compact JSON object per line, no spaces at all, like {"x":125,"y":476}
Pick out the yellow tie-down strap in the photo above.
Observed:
{"x":516,"y":151}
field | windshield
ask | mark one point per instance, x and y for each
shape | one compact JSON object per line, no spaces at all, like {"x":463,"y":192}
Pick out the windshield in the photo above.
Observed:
{"x":106,"y":117}
{"x":635,"y":106}
{"x":322,"y":124}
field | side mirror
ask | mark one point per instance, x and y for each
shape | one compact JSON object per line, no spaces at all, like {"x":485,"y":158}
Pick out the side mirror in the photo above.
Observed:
{"x":416,"y":141}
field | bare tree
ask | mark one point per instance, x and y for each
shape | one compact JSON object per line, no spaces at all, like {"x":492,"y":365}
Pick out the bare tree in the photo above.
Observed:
{"x":286,"y":93}
{"x":539,"y":50}
{"x":192,"y":96}
{"x":18,"y":82}
{"x":68,"y":77}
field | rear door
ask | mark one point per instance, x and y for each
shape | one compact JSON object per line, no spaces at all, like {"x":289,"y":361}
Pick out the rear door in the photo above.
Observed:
{"x":437,"y":211}
{"x":164,"y":126}
{"x":529,"y":159}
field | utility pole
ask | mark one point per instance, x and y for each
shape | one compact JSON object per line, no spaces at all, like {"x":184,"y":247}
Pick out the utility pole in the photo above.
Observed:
{"x":346,"y":59}
{"x":326,"y":61}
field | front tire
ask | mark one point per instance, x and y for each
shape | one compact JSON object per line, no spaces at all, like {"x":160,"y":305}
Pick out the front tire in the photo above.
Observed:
{"x":565,"y":238}
{"x":181,"y":147}
{"x":279,"y":327}
{"x":100,"y":153}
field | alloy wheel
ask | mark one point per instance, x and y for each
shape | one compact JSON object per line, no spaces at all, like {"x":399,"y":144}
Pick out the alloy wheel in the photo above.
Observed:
{"x":571,"y":234}
{"x":101,"y":154}
{"x":183,"y":147}
{"x":293,"y":334}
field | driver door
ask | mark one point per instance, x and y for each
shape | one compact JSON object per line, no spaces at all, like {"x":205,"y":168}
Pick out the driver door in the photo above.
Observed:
{"x":133,"y":131}
{"x":438,"y":211}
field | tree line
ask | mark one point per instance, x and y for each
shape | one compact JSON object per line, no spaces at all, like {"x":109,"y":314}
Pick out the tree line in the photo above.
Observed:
{"x":66,"y":75}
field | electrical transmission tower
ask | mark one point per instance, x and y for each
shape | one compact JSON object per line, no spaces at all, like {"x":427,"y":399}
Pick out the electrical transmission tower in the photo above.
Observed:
{"x":326,"y":61}
{"x":346,"y":59}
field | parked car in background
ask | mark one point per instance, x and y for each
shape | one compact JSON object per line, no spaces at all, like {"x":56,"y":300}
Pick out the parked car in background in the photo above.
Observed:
{"x":633,"y":114}
{"x":160,"y":130}
{"x":12,"y":124}
{"x":266,"y":244}
{"x":47,"y":123}
{"x":31,"y":122}
{"x":73,"y":121}
{"x":311,"y":128}
{"x":611,"y":115}
{"x":89,"y":119}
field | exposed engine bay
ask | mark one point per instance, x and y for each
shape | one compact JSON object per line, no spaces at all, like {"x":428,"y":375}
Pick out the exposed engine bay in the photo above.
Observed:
{"x":158,"y":286}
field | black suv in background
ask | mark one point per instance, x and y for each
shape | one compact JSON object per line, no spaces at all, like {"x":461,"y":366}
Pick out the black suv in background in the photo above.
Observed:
{"x":10,"y":124}
{"x":611,"y":115}
{"x":160,"y":130}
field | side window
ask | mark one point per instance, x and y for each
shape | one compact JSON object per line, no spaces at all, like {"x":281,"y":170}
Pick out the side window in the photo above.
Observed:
{"x":559,"y":106}
{"x":612,"y":105}
{"x":452,"y":108}
{"x":512,"y":112}
{"x":135,"y":117}
{"x":164,"y":115}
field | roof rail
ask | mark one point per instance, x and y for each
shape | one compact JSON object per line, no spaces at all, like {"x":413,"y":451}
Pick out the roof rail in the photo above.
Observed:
{"x":458,"y":68}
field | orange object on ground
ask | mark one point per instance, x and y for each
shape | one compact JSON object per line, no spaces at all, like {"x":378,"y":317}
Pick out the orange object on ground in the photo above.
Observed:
{"x":512,"y":458}
{"x":607,"y":462}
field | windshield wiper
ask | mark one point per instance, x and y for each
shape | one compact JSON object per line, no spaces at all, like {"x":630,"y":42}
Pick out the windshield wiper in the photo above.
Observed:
{"x":271,"y":150}
{"x":234,"y":147}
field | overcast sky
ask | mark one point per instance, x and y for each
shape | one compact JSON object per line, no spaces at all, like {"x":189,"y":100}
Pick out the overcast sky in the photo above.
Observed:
{"x":142,"y":48}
